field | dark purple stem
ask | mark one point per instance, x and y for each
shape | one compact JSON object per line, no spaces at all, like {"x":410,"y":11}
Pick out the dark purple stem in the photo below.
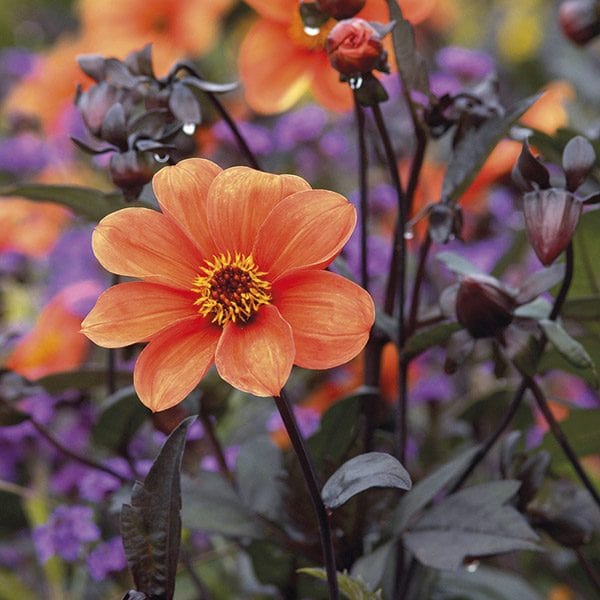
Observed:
{"x":363,"y":187}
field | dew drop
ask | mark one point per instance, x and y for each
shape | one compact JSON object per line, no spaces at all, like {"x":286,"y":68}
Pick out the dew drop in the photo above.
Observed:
{"x":189,"y":128}
{"x":473,"y":566}
{"x":161,"y":158}
{"x":409,"y":234}
{"x":355,"y":83}
{"x":311,"y":31}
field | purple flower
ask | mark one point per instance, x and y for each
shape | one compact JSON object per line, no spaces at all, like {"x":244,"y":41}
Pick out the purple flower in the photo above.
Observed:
{"x":23,"y":154}
{"x":303,"y":125}
{"x":257,"y":137}
{"x":465,"y":63}
{"x":106,"y":558}
{"x":308,"y":420}
{"x":68,"y":529}
{"x":444,"y":83}
{"x":209,"y":462}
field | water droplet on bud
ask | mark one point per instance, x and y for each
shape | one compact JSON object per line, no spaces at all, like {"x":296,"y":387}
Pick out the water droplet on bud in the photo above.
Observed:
{"x":355,"y":82}
{"x":409,"y":234}
{"x":472,"y":566}
{"x":161,"y":158}
{"x":189,"y":128}
{"x":311,"y":31}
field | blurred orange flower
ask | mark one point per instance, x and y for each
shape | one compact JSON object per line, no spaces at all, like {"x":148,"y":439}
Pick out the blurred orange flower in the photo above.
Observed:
{"x":232,"y":274}
{"x":55,"y":343}
{"x":279,"y":62}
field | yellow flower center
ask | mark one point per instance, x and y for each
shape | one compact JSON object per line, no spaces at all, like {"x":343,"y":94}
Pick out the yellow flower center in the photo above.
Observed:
{"x":307,"y":37}
{"x":231,"y":288}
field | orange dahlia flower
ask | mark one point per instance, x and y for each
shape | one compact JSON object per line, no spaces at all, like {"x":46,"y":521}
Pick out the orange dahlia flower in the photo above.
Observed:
{"x":279,"y":62}
{"x":232,"y":274}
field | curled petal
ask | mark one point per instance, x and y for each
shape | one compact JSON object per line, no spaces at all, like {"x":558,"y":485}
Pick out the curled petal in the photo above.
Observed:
{"x":133,"y":312}
{"x":139,"y":242}
{"x":182,"y":191}
{"x":239,"y":201}
{"x":330,"y":317}
{"x":257,"y":357}
{"x":307,"y":229}
{"x":173,"y":363}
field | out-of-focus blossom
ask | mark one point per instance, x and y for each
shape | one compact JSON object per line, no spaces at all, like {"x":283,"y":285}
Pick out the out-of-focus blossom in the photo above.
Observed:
{"x":303,"y":125}
{"x":23,"y":154}
{"x":465,"y":63}
{"x":580,"y":20}
{"x":280,"y":60}
{"x":55,"y":343}
{"x":107,"y":557}
{"x":209,"y":462}
{"x":308,"y":420}
{"x":258,"y":303}
{"x":68,"y":530}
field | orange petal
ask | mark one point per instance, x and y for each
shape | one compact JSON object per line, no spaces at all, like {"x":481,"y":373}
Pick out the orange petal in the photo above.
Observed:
{"x":327,"y":88}
{"x":257,"y":358}
{"x":330,"y":317}
{"x":132,"y":312}
{"x":174,"y":362}
{"x":239,"y":201}
{"x":307,"y":229}
{"x":278,"y":10}
{"x":274,"y":71}
{"x":140,"y":242}
{"x":182,"y":191}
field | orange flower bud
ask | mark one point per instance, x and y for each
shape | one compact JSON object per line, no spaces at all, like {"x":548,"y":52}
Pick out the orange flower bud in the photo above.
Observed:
{"x":354,"y":47}
{"x":340,"y":9}
{"x":483,"y":307}
{"x":551,"y":217}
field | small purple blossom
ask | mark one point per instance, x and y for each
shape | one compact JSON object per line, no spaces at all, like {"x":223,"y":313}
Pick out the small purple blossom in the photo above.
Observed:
{"x":209,"y":462}
{"x":303,"y":125}
{"x":23,"y":154}
{"x":257,"y":137}
{"x":108,"y":557}
{"x":465,"y":63}
{"x":65,"y":534}
{"x":308,"y":420}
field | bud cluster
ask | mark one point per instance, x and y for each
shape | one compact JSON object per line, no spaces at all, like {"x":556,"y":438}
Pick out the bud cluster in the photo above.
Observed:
{"x":144,"y":120}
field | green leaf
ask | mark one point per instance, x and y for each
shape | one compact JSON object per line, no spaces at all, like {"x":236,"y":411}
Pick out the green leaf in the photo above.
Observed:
{"x":582,"y":309}
{"x":581,"y":428}
{"x":365,"y":471}
{"x":84,"y":379}
{"x":260,"y":473}
{"x":428,"y":338}
{"x":475,"y":147}
{"x":485,"y":583}
{"x":457,"y":264}
{"x":411,"y":66}
{"x":88,"y":203}
{"x":371,"y":567}
{"x":353,"y":589}
{"x":568,"y":347}
{"x":472,"y":522}
{"x":427,"y":489}
{"x":338,"y":429}
{"x":151,"y":524}
{"x":121,"y":414}
{"x":212,"y":504}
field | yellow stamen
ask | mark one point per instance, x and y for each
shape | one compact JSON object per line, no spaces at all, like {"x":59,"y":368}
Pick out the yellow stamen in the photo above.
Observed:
{"x":310,"y":40}
{"x":231,"y":288}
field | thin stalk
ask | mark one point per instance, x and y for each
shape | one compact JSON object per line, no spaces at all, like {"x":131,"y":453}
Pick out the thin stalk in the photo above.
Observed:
{"x":73,"y":455}
{"x":363,"y":187}
{"x":561,"y":438}
{"x":592,"y":574}
{"x":209,"y":430}
{"x":111,"y":366}
{"x":520,"y":393}
{"x":201,"y":591}
{"x":419,"y":278}
{"x":241,"y":142}
{"x":289,"y":420}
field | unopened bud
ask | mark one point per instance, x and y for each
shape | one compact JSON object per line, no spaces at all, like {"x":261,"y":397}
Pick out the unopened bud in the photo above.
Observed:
{"x":580,"y":20}
{"x":340,"y":9}
{"x":130,"y":171}
{"x":483,"y":307}
{"x":551,"y":217}
{"x":354,"y":47}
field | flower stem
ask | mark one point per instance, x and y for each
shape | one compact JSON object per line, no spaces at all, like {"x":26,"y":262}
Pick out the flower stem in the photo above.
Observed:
{"x":363,"y":186}
{"x":111,"y":366}
{"x":88,"y":462}
{"x":209,"y":429}
{"x":289,"y":420}
{"x":561,"y":438}
{"x":520,"y":393}
{"x":242,"y":144}
{"x":589,"y":569}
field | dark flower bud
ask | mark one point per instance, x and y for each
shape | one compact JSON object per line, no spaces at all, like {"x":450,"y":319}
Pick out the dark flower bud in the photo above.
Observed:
{"x":95,"y":103}
{"x":569,"y":528}
{"x":580,"y":20}
{"x":483,"y":306}
{"x":131,"y":170}
{"x":529,"y":173}
{"x":551,"y":217}
{"x":532,"y":474}
{"x":340,"y":9}
{"x":354,"y":47}
{"x":577,"y":161}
